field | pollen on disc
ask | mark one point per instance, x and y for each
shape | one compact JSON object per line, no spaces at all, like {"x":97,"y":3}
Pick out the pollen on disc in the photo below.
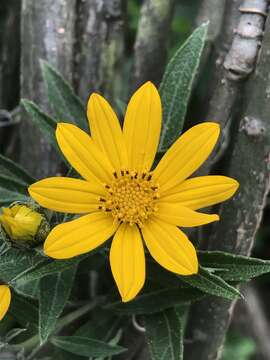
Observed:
{"x":131,"y":197}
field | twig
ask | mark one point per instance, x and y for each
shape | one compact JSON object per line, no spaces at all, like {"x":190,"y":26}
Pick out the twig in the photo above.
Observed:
{"x":249,"y":164}
{"x":151,"y":41}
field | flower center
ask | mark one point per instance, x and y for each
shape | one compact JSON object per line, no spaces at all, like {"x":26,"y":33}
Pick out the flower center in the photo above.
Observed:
{"x":131,"y":197}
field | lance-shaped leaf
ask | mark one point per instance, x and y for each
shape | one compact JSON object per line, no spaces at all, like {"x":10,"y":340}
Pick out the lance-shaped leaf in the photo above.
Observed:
{"x":86,"y":346}
{"x":53,"y":296}
{"x":12,"y":189}
{"x":157,"y":300}
{"x":29,"y":289}
{"x":14,"y":170}
{"x":176,"y":85}
{"x":164,"y":334}
{"x":234,"y":267}
{"x":211,"y":284}
{"x":42,"y":121}
{"x":25,"y":312}
{"x":48,"y":268}
{"x":15,"y":263}
{"x":65,"y":104}
{"x":12,"y":185}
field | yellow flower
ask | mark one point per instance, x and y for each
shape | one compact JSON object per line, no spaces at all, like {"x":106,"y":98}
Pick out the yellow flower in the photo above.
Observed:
{"x":124,"y":197}
{"x":5,"y":297}
{"x":20,"y":222}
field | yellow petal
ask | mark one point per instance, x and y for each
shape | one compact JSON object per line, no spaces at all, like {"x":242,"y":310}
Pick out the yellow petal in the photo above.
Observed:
{"x":5,"y":298}
{"x":106,"y":131}
{"x":83,"y":154}
{"x":67,"y":194}
{"x":186,"y":155}
{"x":127,"y":261}
{"x":170,"y":247}
{"x":202,"y":191}
{"x":178,"y":215}
{"x":142,"y":127}
{"x":79,"y":236}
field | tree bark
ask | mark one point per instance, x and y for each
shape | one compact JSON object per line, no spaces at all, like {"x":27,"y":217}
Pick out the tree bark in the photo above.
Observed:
{"x":99,"y":47}
{"x":48,"y":28}
{"x":240,"y":219}
{"x":237,"y":50}
{"x":213,"y":12}
{"x":150,"y":50}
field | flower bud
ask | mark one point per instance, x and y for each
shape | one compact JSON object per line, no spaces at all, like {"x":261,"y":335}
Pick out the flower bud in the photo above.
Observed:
{"x":23,"y":224}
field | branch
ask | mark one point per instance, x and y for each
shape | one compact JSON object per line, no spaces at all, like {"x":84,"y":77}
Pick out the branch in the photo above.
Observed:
{"x":47,"y":33}
{"x":240,"y":219}
{"x":151,"y":41}
{"x":213,"y":12}
{"x":236,"y":64}
{"x":99,"y":47}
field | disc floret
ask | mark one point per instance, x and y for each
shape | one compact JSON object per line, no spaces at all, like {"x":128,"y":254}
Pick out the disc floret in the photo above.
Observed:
{"x":131,"y":197}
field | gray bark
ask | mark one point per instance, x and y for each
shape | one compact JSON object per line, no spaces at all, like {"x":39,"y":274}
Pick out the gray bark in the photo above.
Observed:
{"x":235,"y":60}
{"x":240,"y":219}
{"x":47,"y":33}
{"x":213,"y":12}
{"x":151,"y":43}
{"x":99,"y":47}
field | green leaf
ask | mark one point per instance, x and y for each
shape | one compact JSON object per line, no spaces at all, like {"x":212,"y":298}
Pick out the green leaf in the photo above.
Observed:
{"x":176,"y":85}
{"x":164,"y":334}
{"x":30,"y":289}
{"x":11,"y":169}
{"x":8,"y":197}
{"x":156,"y":300}
{"x":65,"y":104}
{"x":86,"y":346}
{"x":15,"y":263}
{"x":234,"y":267}
{"x":53,"y":296}
{"x":25,"y":312}
{"x":13,"y":185}
{"x":42,"y":121}
{"x":48,"y":268}
{"x":102,"y":326}
{"x":211,"y":284}
{"x":12,"y":189}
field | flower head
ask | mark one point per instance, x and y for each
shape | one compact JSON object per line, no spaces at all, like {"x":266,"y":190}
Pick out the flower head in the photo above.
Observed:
{"x":20,"y":222}
{"x":124,"y":197}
